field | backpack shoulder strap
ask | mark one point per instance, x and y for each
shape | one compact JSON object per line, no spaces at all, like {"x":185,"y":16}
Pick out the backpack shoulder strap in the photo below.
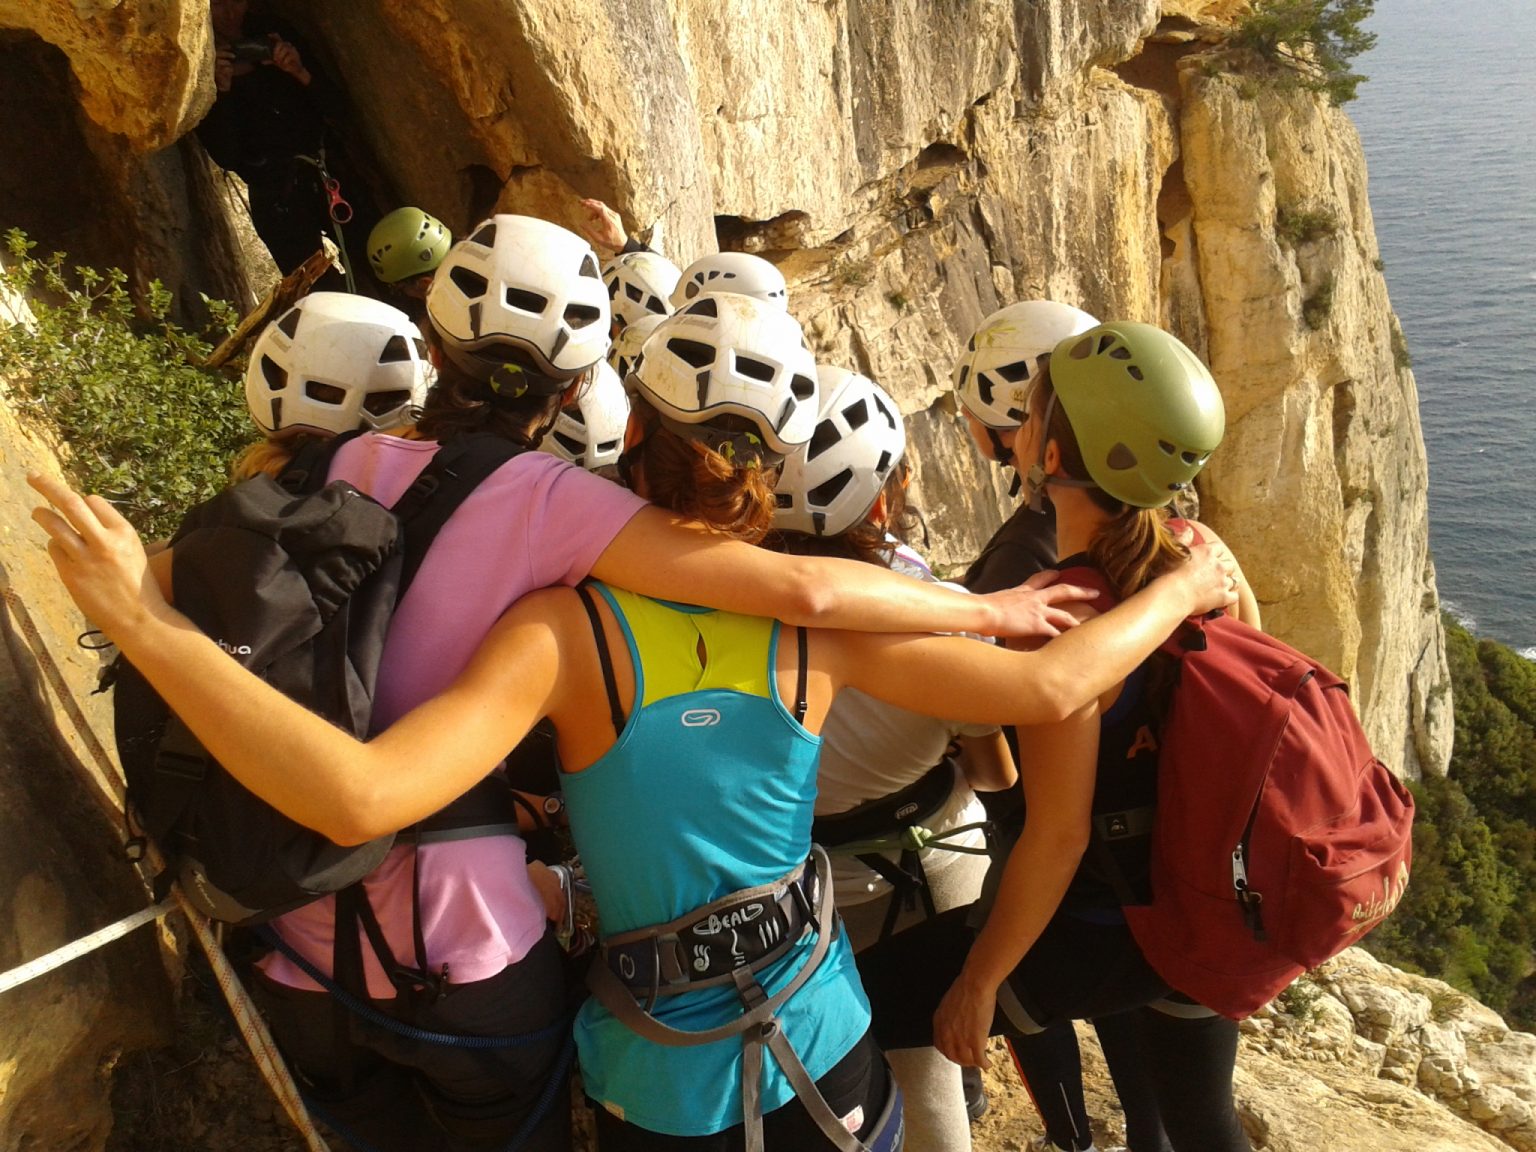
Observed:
{"x":309,"y":468}
{"x":456,"y":470}
{"x":1080,"y":570}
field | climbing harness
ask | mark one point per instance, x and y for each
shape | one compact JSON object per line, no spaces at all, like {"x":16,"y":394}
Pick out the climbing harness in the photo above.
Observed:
{"x":729,"y":941}
{"x":894,"y":824}
{"x":337,"y":209}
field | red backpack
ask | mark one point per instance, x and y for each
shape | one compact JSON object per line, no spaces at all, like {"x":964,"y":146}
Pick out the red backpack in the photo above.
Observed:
{"x":1279,"y":839}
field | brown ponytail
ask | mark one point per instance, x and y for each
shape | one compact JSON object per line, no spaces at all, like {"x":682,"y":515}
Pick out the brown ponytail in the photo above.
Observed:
{"x":459,"y":404}
{"x":1135,"y":546}
{"x":685,"y":477}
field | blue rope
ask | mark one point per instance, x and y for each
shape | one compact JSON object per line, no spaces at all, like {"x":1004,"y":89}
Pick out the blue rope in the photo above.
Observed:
{"x":371,"y":1014}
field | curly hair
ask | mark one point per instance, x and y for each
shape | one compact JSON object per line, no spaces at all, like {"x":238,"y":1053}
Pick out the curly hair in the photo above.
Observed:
{"x":699,"y":483}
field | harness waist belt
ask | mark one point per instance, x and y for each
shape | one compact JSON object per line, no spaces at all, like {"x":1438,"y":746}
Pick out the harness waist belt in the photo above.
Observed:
{"x":874,"y":819}
{"x":750,"y":928}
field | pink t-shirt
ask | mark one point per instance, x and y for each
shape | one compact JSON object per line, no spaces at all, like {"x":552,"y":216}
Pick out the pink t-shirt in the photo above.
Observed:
{"x":535,"y":522}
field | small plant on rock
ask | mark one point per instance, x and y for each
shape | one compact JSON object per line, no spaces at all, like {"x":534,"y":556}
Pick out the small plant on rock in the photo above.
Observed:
{"x":1295,"y":225}
{"x":1317,"y":307}
{"x":118,"y":381}
{"x":1302,"y":1002}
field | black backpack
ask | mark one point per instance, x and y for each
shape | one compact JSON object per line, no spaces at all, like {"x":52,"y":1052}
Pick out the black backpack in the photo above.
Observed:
{"x":297,"y":580}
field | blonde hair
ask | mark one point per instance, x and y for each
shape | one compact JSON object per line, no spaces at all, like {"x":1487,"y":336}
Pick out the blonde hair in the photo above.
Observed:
{"x":264,"y":458}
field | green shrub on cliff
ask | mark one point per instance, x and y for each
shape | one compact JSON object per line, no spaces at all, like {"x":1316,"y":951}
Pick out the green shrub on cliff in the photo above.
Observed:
{"x":145,"y":427}
{"x":1469,"y":915}
{"x":1310,"y":43}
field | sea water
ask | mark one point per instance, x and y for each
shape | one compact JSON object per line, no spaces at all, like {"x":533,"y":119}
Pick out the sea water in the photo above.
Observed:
{"x":1448,"y":121}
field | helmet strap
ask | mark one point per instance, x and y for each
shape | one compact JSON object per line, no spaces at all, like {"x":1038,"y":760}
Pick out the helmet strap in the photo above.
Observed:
{"x":1002,"y":451}
{"x":1035,"y":481}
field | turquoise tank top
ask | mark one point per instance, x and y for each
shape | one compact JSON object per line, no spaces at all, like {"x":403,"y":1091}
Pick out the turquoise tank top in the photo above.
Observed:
{"x":708,"y":790}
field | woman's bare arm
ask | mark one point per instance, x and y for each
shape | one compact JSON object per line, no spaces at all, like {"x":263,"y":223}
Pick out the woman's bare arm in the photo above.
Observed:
{"x":305,"y":767}
{"x":1058,"y":769}
{"x":659,"y":554}
{"x":987,"y":762}
{"x":958,"y":679}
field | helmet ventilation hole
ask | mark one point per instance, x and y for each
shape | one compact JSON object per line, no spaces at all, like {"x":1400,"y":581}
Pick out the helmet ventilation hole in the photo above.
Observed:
{"x":1168,"y":449}
{"x":324,"y":393}
{"x":754,"y":369}
{"x":485,"y":234}
{"x":581,"y":315}
{"x":289,"y":324}
{"x":824,"y":437}
{"x":382,"y":403}
{"x":274,"y":374}
{"x":1121,"y":458}
{"x":802,"y":387}
{"x":1015,"y":373}
{"x":1120,"y":352}
{"x":829,"y":490}
{"x":857,"y":414}
{"x":691,"y":352}
{"x":589,"y":268}
{"x":472,"y":284}
{"x":395,"y":350}
{"x":525,"y":301}
{"x":704,"y":307}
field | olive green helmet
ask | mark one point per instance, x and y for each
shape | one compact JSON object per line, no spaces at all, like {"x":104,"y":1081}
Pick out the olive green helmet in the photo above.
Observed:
{"x":1146,"y":412}
{"x":408,"y":242}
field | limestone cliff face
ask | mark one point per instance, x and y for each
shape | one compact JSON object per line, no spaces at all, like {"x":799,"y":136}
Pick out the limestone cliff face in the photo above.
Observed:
{"x":911,"y":167}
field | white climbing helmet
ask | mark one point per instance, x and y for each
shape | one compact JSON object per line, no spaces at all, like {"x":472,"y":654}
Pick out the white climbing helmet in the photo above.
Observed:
{"x":590,"y":431}
{"x":1006,"y":352}
{"x":624,"y":356}
{"x":730,"y":355}
{"x":828,"y":485}
{"x":639,"y":284}
{"x":521,"y":305}
{"x":737,"y":272}
{"x":335,"y":362}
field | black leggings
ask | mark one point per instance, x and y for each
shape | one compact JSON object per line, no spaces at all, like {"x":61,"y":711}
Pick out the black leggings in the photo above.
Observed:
{"x":858,"y":1080}
{"x":1051,"y":1068}
{"x":1076,"y":970}
{"x":397,"y":1094}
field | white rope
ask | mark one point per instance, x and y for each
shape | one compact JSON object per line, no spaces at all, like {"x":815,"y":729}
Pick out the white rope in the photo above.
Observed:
{"x":61,"y":956}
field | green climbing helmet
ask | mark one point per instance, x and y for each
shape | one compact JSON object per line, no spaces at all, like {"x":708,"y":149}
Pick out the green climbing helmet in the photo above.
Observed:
{"x":1146,"y":412}
{"x":406,"y":243}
